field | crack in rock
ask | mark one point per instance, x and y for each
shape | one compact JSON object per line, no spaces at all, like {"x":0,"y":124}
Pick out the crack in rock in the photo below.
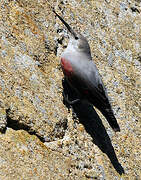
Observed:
{"x":16,"y":125}
{"x":57,"y":133}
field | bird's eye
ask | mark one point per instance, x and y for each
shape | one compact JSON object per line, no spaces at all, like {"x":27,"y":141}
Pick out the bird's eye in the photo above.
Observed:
{"x":76,"y":38}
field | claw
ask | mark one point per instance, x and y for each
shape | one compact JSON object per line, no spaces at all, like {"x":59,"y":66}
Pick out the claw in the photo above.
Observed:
{"x":70,"y":102}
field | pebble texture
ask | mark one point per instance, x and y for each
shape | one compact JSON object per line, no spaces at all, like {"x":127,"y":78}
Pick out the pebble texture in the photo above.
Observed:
{"x":39,"y":138}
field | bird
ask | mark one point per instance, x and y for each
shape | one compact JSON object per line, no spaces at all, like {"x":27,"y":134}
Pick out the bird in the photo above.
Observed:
{"x":83,"y":76}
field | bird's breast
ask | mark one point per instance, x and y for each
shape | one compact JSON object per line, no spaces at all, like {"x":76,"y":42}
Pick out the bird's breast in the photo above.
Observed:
{"x":66,"y":67}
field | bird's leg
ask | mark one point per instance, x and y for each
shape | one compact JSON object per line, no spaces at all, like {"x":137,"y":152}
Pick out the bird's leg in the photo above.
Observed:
{"x":69,"y":101}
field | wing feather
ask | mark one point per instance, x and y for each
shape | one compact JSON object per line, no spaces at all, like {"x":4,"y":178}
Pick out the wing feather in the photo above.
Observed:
{"x":89,"y":83}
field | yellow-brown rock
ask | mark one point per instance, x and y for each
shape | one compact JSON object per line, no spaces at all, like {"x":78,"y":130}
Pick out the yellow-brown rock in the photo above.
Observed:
{"x":39,"y":138}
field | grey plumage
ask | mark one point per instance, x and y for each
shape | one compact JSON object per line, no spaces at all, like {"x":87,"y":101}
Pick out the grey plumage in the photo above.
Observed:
{"x":82,"y":74}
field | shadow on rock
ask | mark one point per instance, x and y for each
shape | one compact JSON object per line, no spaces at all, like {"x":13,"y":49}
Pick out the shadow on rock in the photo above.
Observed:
{"x":93,"y":125}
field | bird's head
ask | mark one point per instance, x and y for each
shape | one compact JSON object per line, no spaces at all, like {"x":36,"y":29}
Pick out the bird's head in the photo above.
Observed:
{"x":77,"y":41}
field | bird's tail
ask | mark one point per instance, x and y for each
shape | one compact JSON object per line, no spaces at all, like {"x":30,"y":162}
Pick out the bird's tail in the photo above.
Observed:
{"x":109,"y":115}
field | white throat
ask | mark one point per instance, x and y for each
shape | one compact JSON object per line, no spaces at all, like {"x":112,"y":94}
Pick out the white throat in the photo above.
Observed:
{"x":70,"y":48}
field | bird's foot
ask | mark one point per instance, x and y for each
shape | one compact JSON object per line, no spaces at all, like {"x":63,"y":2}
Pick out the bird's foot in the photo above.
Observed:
{"x":70,"y":102}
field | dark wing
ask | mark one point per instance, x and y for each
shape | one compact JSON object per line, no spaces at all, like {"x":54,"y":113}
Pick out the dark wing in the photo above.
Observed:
{"x":90,"y":86}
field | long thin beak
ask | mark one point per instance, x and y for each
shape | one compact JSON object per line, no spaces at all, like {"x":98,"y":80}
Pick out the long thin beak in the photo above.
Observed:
{"x":67,"y":26}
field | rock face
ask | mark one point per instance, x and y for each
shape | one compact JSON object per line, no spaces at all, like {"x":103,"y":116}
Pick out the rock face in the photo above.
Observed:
{"x":39,"y":137}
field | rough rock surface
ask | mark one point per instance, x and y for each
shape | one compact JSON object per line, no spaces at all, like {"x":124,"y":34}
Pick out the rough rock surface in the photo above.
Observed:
{"x":39,"y":137}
